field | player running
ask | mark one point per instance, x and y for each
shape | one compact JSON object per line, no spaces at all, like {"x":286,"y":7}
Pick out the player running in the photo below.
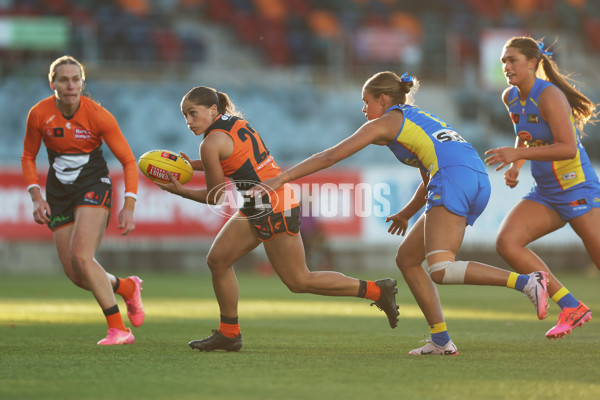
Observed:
{"x":79,"y":190}
{"x":231,"y":148}
{"x":548,"y":115}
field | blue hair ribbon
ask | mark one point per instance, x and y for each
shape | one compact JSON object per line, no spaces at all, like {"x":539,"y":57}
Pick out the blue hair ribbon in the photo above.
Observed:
{"x":544,"y":52}
{"x":406,"y":77}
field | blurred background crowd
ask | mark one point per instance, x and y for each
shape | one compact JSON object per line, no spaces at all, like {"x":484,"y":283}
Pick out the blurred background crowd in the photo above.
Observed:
{"x":293,"y":67}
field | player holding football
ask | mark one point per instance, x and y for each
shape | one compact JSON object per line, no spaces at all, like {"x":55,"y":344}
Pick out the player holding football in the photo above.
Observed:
{"x":79,"y":190}
{"x":549,"y":115}
{"x":455,"y":191}
{"x":232,"y":148}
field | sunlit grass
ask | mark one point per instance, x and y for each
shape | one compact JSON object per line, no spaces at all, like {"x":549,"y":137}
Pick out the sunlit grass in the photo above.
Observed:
{"x":296,"y":347}
{"x":67,"y":311}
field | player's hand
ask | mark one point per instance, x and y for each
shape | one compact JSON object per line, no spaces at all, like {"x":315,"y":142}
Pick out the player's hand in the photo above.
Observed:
{"x":41,"y":211}
{"x":501,"y":155}
{"x":197,"y":165}
{"x":510,"y":177}
{"x":126,"y":221}
{"x":260,"y":190}
{"x":174,"y":186}
{"x":399,"y":224}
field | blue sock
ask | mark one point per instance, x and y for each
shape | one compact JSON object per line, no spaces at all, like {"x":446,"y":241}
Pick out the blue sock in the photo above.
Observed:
{"x":568,"y":301}
{"x":440,"y":338}
{"x":521,"y":282}
{"x":439,"y":334}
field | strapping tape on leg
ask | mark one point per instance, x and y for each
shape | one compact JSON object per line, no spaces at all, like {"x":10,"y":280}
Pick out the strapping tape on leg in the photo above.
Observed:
{"x":454,"y":271}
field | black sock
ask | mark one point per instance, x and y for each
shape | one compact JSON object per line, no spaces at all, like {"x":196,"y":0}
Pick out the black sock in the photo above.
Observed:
{"x":362,"y":288}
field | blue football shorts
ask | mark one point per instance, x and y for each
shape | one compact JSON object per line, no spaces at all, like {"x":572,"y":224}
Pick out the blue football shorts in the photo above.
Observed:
{"x":462,"y":190}
{"x":571,"y":203}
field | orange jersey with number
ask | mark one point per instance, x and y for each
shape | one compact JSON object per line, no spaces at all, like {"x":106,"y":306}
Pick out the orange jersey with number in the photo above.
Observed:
{"x":251,"y":162}
{"x":74,"y":146}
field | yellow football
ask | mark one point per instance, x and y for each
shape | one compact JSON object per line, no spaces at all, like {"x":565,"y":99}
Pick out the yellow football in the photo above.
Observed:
{"x":155,"y":164}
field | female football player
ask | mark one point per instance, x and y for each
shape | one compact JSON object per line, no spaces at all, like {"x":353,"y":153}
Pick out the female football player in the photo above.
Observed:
{"x":548,"y":114}
{"x":232,"y":148}
{"x":455,"y":191}
{"x":79,"y":189}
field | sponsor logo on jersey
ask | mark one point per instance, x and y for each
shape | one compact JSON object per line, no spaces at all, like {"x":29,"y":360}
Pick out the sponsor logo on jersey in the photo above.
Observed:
{"x":68,"y":125}
{"x":59,"y":132}
{"x":436,"y":197}
{"x":596,"y":200}
{"x":105,"y":179}
{"x":515,"y":118}
{"x":532,"y":118}
{"x":82,"y":133}
{"x":570,"y":175}
{"x":524,"y":135}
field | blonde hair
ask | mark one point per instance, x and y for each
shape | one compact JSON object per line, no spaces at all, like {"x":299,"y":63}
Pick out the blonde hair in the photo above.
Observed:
{"x":62,"y":61}
{"x":389,"y":83}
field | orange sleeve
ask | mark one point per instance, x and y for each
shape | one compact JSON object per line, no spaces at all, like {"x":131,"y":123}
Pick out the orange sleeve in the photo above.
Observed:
{"x":31,"y":147}
{"x":116,"y":142}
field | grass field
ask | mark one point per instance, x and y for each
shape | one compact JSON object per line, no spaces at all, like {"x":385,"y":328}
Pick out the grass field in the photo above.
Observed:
{"x":295,"y":346}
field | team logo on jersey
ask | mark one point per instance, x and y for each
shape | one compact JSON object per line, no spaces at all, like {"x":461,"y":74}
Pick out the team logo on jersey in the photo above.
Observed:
{"x":59,"y":132}
{"x":524,"y":135}
{"x":532,"y":118}
{"x":515,"y":118}
{"x":570,"y":175}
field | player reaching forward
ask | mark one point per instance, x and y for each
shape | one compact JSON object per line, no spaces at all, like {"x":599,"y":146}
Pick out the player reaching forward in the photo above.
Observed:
{"x":455,"y":191}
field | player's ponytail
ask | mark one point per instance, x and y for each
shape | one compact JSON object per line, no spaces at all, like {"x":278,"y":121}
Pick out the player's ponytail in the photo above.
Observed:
{"x":207,"y":96}
{"x":582,"y":107}
{"x":401,"y":89}
{"x":226,"y":106}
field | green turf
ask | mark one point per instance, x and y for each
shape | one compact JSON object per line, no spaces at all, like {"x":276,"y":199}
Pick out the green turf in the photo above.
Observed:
{"x":295,"y":346}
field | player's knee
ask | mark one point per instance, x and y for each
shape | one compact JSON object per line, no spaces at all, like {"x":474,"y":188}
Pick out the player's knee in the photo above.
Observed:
{"x":76,"y":279}
{"x":505,"y":244}
{"x":79,"y":259}
{"x":215,"y":263}
{"x":448,"y":272}
{"x":405,"y":260}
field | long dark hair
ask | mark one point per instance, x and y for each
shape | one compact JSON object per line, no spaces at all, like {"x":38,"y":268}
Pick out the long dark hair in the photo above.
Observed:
{"x":583,"y":108}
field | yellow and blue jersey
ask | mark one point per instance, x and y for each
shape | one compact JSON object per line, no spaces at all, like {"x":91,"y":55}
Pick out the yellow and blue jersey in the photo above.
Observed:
{"x":550,"y":176}
{"x":426,"y":142}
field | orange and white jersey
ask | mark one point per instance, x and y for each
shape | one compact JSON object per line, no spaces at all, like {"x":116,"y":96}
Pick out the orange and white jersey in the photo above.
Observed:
{"x":74,"y":146}
{"x":251,"y":162}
